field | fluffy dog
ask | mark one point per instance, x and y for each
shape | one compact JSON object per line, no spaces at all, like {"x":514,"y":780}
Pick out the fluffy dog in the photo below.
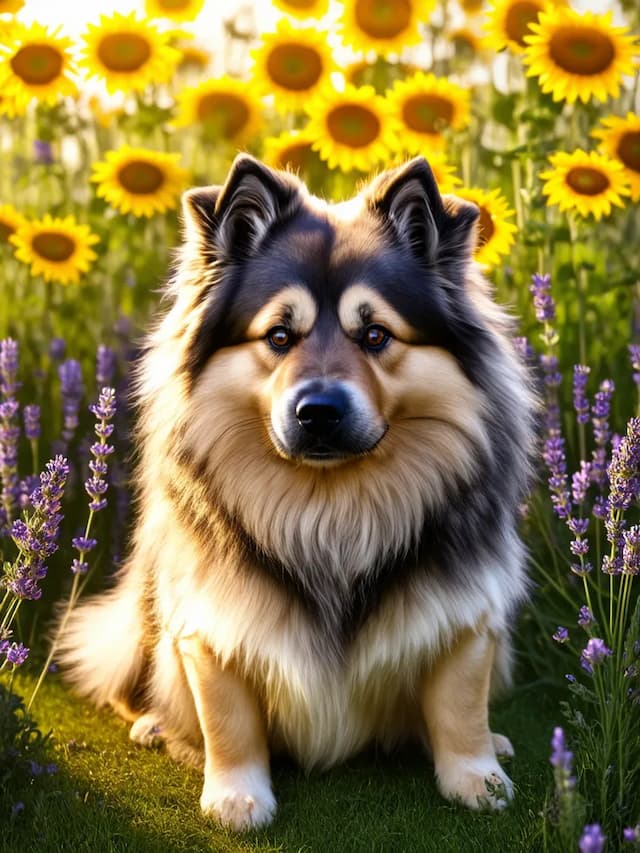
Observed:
{"x":335,"y":433}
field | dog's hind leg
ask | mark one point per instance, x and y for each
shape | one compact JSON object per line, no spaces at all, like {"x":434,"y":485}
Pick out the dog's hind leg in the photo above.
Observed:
{"x":455,"y":699}
{"x":237,"y":783}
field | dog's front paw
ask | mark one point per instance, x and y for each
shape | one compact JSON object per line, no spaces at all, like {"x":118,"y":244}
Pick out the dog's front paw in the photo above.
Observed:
{"x":147,"y":731}
{"x":479,"y":783}
{"x":240,"y":798}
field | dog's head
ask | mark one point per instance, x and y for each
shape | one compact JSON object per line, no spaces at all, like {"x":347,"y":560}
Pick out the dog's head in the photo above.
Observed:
{"x":330,"y":334}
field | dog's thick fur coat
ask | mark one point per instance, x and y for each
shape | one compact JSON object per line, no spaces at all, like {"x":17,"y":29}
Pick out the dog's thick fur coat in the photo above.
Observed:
{"x":295,"y":584}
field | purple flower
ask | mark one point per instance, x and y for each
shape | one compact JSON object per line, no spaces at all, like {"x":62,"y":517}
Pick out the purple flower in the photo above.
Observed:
{"x":31,"y":416}
{"x":560,"y":756}
{"x":83,"y":543}
{"x":561,"y":635}
{"x":581,"y":569}
{"x":16,"y":654}
{"x":580,"y":482}
{"x":631,"y":551}
{"x":555,"y":460}
{"x":592,"y":840}
{"x":523,"y":348}
{"x":17,"y":808}
{"x":624,"y":469}
{"x":585,"y":617}
{"x":79,"y":567}
{"x":580,"y":401}
{"x":72,"y":390}
{"x":579,"y":547}
{"x":57,"y":349}
{"x":542,"y":300}
{"x":631,"y":834}
{"x":36,"y":535}
{"x":561,"y":760}
{"x":9,"y":367}
{"x":552,"y":376}
{"x":105,"y":365}
{"x":42,"y":152}
{"x":594,"y":653}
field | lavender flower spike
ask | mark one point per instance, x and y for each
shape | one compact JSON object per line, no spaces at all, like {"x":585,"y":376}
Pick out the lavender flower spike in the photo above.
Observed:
{"x":8,"y":367}
{"x":105,"y":365}
{"x":592,"y":840}
{"x":36,"y":535}
{"x":624,"y":469}
{"x":631,"y":551}
{"x":580,"y":400}
{"x":542,"y":300}
{"x":72,"y":390}
{"x":31,"y":416}
{"x":561,"y":635}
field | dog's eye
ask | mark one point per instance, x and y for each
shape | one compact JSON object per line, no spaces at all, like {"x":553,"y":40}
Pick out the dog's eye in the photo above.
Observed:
{"x":375,"y":338}
{"x":280,"y":338}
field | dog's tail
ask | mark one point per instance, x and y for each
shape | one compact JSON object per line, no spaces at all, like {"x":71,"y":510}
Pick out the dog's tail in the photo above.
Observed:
{"x":102,"y":642}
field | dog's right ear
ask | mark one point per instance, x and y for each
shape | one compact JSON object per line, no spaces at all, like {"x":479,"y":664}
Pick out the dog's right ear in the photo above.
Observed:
{"x":231,"y":221}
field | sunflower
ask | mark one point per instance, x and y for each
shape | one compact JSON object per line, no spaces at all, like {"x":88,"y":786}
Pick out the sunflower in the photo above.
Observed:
{"x":578,"y":55}
{"x":57,"y":249}
{"x":290,"y":150}
{"x":586,"y":182}
{"x":443,"y":171}
{"x":304,"y":8}
{"x":465,"y":42}
{"x":472,"y":7}
{"x":139,"y":181}
{"x":10,"y":7}
{"x":509,"y":21}
{"x":495,"y":234}
{"x":620,"y":139}
{"x":386,"y":26}
{"x":225,"y":106}
{"x":427,"y":106}
{"x":292,"y":63}
{"x":35,"y":63}
{"x":177,"y":10}
{"x":10,"y":220}
{"x":354,"y":129}
{"x":128,"y":53}
{"x":193,"y":57}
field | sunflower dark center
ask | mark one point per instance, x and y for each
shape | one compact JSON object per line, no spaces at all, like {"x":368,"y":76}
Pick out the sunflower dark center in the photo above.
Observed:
{"x":37,"y":64}
{"x":353,"y":125}
{"x":383,"y":19}
{"x":486,"y":228}
{"x":141,"y":178}
{"x":581,"y":50}
{"x":226,"y":112}
{"x":629,"y":150}
{"x":174,"y":5}
{"x":427,"y":113}
{"x":301,"y":4}
{"x":294,"y":66}
{"x":519,"y":18}
{"x":295,"y":156}
{"x":124,"y":52}
{"x":53,"y":246}
{"x":585,"y":180}
{"x":5,"y":232}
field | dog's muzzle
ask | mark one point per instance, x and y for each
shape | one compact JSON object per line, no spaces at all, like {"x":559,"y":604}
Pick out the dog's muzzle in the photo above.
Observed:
{"x":324,"y":420}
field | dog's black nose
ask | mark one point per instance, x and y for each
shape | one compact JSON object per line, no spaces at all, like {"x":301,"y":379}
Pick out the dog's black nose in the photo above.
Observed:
{"x":320,"y":413}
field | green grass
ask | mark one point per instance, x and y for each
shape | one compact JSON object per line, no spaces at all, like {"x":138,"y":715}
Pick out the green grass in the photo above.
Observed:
{"x":110,"y":795}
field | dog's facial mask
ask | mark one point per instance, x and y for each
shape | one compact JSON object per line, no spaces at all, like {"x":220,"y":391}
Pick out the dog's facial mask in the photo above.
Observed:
{"x":318,"y":300}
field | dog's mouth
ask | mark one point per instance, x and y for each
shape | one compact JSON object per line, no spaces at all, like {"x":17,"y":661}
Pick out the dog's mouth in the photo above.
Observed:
{"x":325,"y":453}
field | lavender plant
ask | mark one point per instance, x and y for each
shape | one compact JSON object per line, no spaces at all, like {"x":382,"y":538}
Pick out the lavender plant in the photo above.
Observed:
{"x":599,"y":543}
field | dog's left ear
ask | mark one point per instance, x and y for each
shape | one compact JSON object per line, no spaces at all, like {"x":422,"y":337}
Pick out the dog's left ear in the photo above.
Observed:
{"x":437,"y":229}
